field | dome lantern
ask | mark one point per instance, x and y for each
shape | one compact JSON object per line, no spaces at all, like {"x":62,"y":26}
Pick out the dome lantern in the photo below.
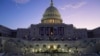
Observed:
{"x":51,"y":2}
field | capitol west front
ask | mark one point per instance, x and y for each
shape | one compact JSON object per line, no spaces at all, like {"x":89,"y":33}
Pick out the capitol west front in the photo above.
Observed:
{"x":51,"y":37}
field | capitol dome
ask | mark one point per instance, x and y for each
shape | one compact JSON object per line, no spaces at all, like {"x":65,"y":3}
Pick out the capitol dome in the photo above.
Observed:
{"x":51,"y":15}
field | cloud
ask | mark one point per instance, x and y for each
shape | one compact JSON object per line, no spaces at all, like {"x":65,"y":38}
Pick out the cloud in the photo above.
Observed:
{"x":76,"y":5}
{"x":21,"y":1}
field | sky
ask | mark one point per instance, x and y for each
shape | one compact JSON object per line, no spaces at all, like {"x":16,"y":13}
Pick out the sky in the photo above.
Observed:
{"x":22,"y":13}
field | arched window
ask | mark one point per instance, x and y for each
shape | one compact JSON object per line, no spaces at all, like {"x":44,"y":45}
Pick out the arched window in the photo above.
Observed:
{"x":65,"y":45}
{"x":58,"y":46}
{"x":37,"y":45}
{"x":44,"y":46}
{"x":30,"y":46}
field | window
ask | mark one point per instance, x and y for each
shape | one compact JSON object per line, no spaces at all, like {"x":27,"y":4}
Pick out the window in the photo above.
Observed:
{"x":65,"y":45}
{"x":47,"y":31}
{"x":44,"y":46}
{"x":41,"y":31}
{"x":51,"y":21}
{"x":37,"y":45}
{"x":58,"y":46}
{"x":31,"y":46}
{"x":51,"y":31}
{"x":61,"y":31}
{"x":0,"y":34}
{"x":42,"y":34}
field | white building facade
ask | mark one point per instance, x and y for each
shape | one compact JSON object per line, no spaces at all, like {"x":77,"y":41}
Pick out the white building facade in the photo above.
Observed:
{"x":51,"y":37}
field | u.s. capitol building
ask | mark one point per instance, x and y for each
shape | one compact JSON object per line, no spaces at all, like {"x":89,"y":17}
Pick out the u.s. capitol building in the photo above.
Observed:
{"x":51,"y":37}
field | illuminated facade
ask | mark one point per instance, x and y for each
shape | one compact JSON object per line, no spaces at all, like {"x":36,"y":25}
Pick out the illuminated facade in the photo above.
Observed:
{"x":50,"y":37}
